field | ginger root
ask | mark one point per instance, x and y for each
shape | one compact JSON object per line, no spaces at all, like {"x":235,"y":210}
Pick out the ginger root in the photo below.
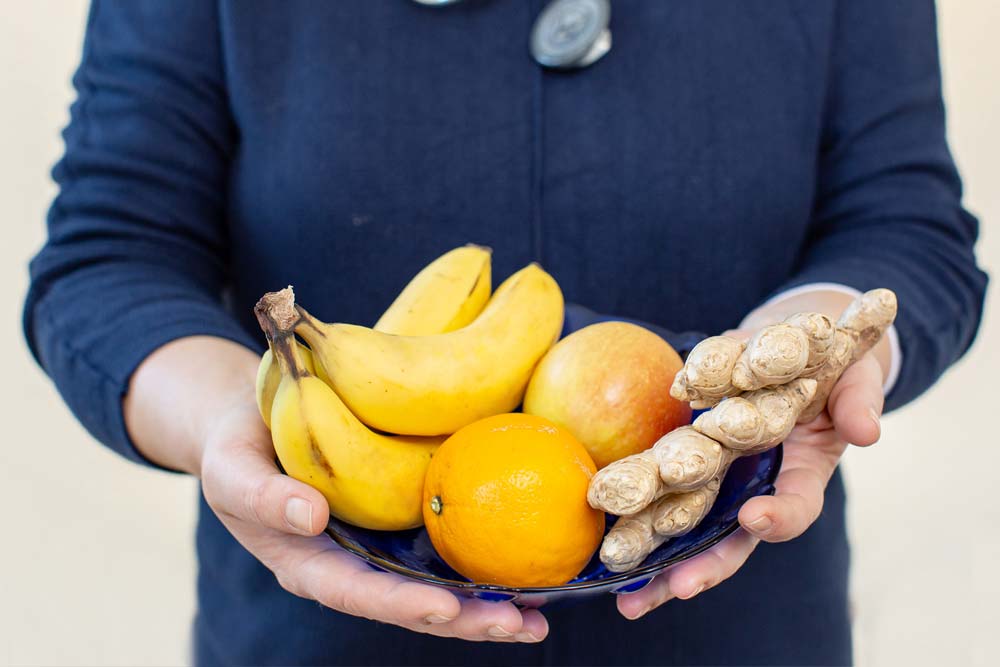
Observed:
{"x":707,"y":375}
{"x":627,"y":485}
{"x":748,"y":424}
{"x":870,"y":315}
{"x":688,"y":460}
{"x":631,"y":539}
{"x":682,"y":460}
{"x":676,"y":514}
{"x":759,"y":392}
{"x":859,"y":328}
{"x":722,"y":366}
{"x":774,"y":355}
{"x":634,"y":537}
{"x":759,"y":420}
{"x":820,"y":331}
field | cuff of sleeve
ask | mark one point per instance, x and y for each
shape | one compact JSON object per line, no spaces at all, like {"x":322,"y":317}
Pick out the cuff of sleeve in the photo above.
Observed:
{"x":94,"y":381}
{"x":896,"y":351}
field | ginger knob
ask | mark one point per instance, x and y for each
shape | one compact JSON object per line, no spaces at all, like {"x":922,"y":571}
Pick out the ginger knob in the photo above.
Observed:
{"x":687,"y":459}
{"x":819,"y":330}
{"x":682,"y":460}
{"x":859,"y":328}
{"x":629,"y":541}
{"x":775,"y":354}
{"x":706,"y":377}
{"x":736,"y":423}
{"x":677,"y":514}
{"x":634,"y":537}
{"x":627,"y":485}
{"x":869,"y":316}
{"x":760,"y":419}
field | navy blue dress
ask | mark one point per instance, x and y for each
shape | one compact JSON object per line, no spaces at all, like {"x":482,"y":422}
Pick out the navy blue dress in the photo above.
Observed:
{"x":722,"y":152}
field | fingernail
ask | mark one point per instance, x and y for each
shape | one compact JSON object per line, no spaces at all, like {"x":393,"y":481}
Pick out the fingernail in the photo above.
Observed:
{"x":498,"y":632}
{"x":876,"y":418}
{"x":761,"y":525}
{"x":435,"y":619}
{"x":298,"y":514}
{"x":642,"y":612}
{"x":526,"y":637}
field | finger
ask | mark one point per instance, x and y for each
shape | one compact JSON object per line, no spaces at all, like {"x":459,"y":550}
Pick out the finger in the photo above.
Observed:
{"x":534,"y":626}
{"x":796,"y":504}
{"x":240,"y":479}
{"x":856,"y":401}
{"x":636,"y":605}
{"x":343,"y":582}
{"x":810,"y":458}
{"x":491,"y":621}
{"x":480,"y":620}
{"x":712,"y":567}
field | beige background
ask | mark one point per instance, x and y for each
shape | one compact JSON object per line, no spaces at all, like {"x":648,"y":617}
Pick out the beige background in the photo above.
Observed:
{"x":97,"y":565}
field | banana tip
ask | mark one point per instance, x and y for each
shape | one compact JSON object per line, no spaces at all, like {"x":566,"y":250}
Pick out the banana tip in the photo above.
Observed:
{"x":485,"y":248}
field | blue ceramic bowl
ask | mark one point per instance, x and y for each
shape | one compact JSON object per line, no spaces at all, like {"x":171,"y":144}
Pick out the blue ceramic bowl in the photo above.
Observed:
{"x":410,"y":553}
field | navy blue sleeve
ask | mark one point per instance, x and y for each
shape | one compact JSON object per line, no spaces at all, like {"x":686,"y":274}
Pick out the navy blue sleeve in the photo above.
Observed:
{"x":136,"y":250}
{"x":888,"y":201}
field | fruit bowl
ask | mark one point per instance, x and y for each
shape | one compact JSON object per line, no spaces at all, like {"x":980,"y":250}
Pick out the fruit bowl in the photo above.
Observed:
{"x":410,"y":554}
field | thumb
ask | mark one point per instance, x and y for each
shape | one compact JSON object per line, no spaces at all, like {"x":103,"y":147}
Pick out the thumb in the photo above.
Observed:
{"x":855,"y":404}
{"x":240,"y":479}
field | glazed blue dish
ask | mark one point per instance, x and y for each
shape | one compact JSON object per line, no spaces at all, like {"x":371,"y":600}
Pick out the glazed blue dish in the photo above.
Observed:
{"x":409,"y":553}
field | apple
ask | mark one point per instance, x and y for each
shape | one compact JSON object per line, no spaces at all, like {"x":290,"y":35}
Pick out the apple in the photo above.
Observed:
{"x":609,"y":385}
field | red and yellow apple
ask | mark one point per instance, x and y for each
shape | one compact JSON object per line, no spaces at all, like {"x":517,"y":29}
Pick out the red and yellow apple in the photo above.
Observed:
{"x":609,"y":385}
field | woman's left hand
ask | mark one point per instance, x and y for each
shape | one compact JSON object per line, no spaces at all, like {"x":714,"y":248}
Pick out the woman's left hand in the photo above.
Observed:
{"x":812,"y":452}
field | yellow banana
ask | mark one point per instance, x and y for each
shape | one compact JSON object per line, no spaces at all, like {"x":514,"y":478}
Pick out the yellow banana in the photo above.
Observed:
{"x":446,"y":295}
{"x":370,"y":480}
{"x":269,"y":377}
{"x":430,"y":385}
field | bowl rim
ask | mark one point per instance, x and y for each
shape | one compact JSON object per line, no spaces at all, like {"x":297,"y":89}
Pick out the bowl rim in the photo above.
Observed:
{"x":621,"y":577}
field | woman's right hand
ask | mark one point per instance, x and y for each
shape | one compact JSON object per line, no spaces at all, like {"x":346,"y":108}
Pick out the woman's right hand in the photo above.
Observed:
{"x":280,"y":521}
{"x":216,"y":432}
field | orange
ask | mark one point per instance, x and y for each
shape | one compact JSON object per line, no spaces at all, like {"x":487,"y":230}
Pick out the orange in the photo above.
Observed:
{"x":505,"y":502}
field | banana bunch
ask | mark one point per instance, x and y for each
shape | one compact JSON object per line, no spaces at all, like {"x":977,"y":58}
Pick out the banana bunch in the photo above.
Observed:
{"x":446,"y":295}
{"x":445,"y":354}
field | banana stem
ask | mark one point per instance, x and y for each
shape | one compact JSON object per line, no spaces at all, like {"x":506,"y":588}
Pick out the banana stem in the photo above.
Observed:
{"x":307,"y":320}
{"x":276,"y":313}
{"x":286,"y":351}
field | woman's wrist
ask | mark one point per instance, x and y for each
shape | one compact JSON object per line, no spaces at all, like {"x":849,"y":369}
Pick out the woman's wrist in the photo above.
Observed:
{"x":179,"y":393}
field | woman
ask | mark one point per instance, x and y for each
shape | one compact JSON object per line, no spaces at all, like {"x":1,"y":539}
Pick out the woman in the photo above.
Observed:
{"x":722,"y":156}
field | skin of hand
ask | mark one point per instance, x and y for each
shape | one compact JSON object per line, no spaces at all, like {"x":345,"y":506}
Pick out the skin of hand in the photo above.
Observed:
{"x":811,"y":454}
{"x":191,"y":407}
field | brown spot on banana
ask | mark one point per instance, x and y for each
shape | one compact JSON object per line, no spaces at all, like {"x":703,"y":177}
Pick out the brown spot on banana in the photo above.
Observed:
{"x":317,"y":454}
